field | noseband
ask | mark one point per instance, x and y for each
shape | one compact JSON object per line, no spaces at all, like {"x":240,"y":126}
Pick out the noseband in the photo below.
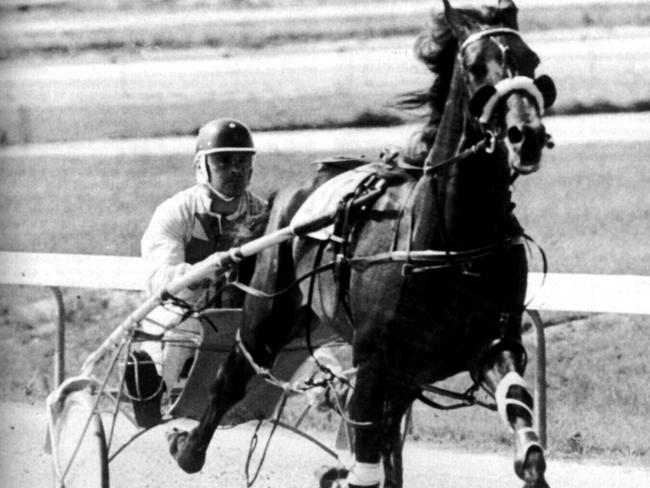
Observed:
{"x":506,"y":86}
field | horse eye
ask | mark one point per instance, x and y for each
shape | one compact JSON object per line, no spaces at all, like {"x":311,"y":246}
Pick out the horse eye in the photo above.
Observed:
{"x":515,"y":135}
{"x":478,"y":70}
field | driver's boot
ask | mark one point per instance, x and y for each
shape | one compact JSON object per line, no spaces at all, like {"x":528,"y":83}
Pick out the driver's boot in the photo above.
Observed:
{"x":145,"y":388}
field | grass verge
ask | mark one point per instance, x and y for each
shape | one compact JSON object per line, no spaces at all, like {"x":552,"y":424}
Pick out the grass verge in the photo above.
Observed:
{"x":587,"y":206}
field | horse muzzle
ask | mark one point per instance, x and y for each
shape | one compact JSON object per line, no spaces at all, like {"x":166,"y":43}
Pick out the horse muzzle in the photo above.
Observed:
{"x":525,"y":145}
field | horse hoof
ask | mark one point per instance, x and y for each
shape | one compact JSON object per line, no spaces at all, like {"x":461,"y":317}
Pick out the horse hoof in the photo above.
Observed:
{"x":331,"y":477}
{"x":530,"y":464}
{"x":190,"y":458}
{"x":533,"y":477}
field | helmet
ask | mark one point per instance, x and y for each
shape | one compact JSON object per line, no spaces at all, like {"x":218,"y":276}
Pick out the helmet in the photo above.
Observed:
{"x":220,"y":136}
{"x":224,"y":135}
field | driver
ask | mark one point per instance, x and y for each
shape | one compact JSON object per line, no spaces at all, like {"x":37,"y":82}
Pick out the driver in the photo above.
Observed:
{"x":217,"y":213}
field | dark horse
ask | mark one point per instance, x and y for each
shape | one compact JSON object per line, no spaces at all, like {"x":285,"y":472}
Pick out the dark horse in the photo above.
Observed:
{"x":449,"y":295}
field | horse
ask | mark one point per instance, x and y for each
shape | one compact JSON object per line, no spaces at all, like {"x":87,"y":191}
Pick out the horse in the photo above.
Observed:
{"x":431,"y":278}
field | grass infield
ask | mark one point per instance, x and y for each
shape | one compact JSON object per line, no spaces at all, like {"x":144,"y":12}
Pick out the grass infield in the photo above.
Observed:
{"x":587,"y":206}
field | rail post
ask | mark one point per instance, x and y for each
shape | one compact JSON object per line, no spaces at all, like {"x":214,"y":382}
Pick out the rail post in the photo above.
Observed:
{"x":59,"y":353}
{"x":540,"y":376}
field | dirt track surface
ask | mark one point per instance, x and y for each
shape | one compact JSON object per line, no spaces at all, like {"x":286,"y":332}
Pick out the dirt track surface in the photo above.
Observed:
{"x":290,"y":462}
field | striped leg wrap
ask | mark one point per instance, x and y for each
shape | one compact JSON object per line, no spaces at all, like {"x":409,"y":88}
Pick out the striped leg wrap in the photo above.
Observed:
{"x":527,"y":441}
{"x":504,"y":399}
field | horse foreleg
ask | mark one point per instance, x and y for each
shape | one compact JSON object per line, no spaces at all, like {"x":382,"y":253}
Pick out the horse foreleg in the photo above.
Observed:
{"x":515,"y":406}
{"x":188,"y":448}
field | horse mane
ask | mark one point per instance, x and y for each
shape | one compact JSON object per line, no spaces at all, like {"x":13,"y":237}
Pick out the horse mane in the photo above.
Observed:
{"x":436,"y":48}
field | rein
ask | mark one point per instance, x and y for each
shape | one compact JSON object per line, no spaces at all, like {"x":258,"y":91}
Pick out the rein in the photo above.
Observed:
{"x":487,"y":144}
{"x":443,"y":258}
{"x":262,"y":294}
{"x":250,"y":480}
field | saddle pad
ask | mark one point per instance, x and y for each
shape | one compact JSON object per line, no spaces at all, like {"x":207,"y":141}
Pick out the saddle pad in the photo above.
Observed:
{"x":327,"y":197}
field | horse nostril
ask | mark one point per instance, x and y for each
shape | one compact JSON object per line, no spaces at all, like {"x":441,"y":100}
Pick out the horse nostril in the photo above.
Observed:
{"x":515,"y":135}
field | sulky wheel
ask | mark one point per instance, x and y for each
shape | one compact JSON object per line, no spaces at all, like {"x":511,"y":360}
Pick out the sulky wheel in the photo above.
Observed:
{"x":78,"y":443}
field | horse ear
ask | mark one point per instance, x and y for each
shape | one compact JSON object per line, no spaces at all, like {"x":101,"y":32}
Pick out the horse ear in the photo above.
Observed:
{"x":547,"y":87}
{"x":505,"y":4}
{"x":480,"y":98}
{"x":456,"y":22}
{"x":508,"y":13}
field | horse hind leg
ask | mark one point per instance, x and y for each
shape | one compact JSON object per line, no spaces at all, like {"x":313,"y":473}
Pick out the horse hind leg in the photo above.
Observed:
{"x":229,"y":387}
{"x":261,"y":341}
{"x":515,"y":407}
{"x":366,"y":410}
{"x":378,"y":408}
{"x":393,"y":436}
{"x":189,"y":448}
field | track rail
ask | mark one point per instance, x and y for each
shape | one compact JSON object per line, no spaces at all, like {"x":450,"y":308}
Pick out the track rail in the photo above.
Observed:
{"x":624,"y":294}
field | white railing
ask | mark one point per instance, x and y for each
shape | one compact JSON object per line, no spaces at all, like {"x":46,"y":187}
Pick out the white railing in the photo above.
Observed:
{"x":626,"y":294}
{"x":73,"y":271}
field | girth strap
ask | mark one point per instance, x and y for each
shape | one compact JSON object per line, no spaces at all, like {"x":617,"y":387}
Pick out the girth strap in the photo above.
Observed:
{"x":348,"y":215}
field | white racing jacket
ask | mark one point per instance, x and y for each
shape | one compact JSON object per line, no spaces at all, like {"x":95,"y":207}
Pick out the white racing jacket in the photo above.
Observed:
{"x":186,"y":229}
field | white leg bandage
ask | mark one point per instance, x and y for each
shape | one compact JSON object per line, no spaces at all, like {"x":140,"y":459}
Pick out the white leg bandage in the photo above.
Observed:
{"x":503,"y":400}
{"x":364,"y":474}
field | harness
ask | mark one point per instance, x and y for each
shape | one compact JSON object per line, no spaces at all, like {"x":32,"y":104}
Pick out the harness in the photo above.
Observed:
{"x":350,"y":213}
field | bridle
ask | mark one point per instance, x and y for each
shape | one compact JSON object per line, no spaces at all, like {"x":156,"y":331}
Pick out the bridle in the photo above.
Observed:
{"x":514,"y":82}
{"x":494,"y":31}
{"x":487,"y":143}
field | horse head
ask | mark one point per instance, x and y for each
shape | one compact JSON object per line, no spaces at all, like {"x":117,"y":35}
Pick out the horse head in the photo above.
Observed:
{"x":485,"y":105}
{"x":498,"y":69}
